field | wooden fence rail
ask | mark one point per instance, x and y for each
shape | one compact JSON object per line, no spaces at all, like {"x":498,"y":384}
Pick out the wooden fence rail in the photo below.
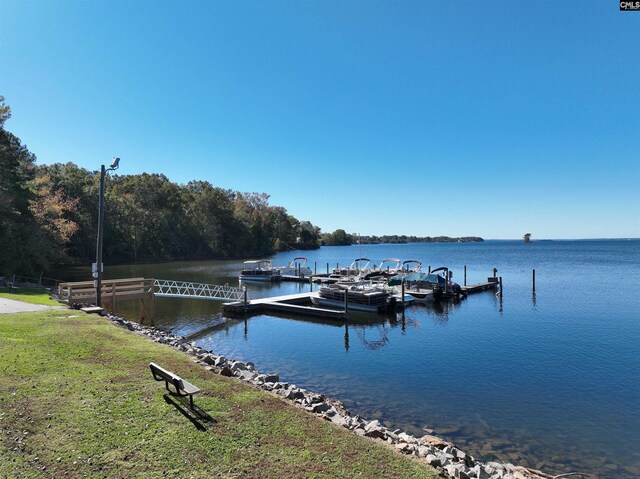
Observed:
{"x":115,"y":289}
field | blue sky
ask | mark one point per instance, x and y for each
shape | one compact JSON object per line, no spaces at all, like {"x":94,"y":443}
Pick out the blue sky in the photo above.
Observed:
{"x":491,"y":118}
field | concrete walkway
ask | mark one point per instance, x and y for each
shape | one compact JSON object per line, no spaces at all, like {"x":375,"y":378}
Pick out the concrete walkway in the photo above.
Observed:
{"x":13,"y":306}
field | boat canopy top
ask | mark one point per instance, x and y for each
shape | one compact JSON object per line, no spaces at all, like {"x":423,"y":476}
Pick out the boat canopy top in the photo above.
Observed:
{"x":416,"y":268}
{"x":440,"y":279}
{"x":356,"y":263}
{"x":443,"y":268}
{"x":435,"y":279}
{"x":299,"y":260}
{"x":394,"y":263}
{"x":413,"y":277}
{"x":259,"y":262}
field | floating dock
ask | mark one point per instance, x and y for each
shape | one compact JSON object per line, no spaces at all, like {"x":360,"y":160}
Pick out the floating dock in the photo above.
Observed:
{"x":476,"y":288}
{"x":299,"y":303}
{"x":316,"y":278}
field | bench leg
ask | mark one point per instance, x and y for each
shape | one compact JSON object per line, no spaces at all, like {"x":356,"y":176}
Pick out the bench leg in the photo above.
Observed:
{"x":191,"y":400}
{"x":166,"y":386}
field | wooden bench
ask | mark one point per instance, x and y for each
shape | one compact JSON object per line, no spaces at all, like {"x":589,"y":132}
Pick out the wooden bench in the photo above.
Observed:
{"x":181,"y":387}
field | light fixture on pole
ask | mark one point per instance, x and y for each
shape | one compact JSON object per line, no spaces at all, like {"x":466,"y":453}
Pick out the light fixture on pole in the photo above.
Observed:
{"x":97,"y":268}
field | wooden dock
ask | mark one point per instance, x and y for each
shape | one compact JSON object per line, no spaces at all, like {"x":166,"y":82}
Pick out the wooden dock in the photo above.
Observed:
{"x":113,"y":291}
{"x":476,"y":288}
{"x":316,"y":278}
{"x":299,"y":303}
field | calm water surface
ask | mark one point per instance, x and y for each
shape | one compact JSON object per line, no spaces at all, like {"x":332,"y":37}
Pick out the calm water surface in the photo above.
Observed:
{"x":550,"y":380}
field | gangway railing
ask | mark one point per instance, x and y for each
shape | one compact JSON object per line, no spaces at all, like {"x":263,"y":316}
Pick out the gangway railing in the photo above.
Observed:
{"x":184,"y":289}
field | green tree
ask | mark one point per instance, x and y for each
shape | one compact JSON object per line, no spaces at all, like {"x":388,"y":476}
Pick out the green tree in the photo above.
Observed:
{"x":338,"y":238}
{"x":210,"y":211}
{"x":48,"y":213}
{"x":309,"y":236}
{"x":144,"y":218}
{"x":81,"y":186}
{"x":17,"y":225}
{"x":5,"y":112}
{"x":251,"y":210}
{"x":49,"y":208}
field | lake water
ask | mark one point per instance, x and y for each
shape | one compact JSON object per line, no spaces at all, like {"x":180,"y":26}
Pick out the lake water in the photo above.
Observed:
{"x":550,"y":380}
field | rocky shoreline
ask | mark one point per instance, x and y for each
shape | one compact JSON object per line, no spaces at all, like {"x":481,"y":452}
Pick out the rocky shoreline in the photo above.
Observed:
{"x":442,"y":455}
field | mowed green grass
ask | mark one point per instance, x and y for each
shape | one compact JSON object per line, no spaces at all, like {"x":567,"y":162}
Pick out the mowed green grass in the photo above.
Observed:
{"x":29,"y":295}
{"x":78,"y":400}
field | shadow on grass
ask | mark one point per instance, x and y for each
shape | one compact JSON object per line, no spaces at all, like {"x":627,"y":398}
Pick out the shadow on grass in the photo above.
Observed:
{"x":196,"y":415}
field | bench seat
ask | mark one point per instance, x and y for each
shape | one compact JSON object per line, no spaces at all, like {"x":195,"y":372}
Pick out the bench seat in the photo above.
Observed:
{"x":189,"y":388}
{"x":180,"y":386}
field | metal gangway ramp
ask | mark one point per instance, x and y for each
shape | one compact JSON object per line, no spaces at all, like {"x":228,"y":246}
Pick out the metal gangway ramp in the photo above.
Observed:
{"x":184,"y":289}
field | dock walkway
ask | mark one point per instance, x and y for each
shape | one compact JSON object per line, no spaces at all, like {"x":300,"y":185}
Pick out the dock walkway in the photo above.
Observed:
{"x":476,"y":288}
{"x":298,"y":303}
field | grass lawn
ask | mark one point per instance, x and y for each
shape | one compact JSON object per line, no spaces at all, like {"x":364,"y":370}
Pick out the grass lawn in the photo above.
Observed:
{"x":29,"y":295}
{"x":78,"y":400}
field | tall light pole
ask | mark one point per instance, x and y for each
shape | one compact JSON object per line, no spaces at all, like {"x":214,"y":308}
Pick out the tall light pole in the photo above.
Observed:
{"x":97,"y":267}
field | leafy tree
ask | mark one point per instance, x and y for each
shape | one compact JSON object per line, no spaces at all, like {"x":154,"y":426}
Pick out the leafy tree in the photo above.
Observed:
{"x":251,"y":210}
{"x":82,"y":186}
{"x":54,"y":230}
{"x":338,"y":238}
{"x":17,"y":225}
{"x":211,"y":212}
{"x":5,"y":112}
{"x":308,"y":237}
{"x":48,"y":213}
{"x":144,"y":218}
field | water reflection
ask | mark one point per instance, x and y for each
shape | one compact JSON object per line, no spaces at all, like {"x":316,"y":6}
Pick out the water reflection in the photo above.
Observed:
{"x":346,"y":336}
{"x":371,"y":331}
{"x":380,"y":338}
{"x":440,"y":310}
{"x":533,"y":301}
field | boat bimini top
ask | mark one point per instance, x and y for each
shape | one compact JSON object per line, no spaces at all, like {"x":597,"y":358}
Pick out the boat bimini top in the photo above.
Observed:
{"x":393,"y":264}
{"x":435,"y":278}
{"x":259,"y":263}
{"x":414,"y":265}
{"x":356,"y":263}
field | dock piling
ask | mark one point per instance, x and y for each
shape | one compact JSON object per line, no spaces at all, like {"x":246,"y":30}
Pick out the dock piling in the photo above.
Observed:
{"x":500,"y":281}
{"x":346,"y":335}
{"x":533,"y":279}
{"x":465,"y":274}
{"x":346,"y":303}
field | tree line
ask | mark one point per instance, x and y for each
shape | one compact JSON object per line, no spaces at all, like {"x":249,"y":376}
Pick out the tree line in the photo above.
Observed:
{"x":48,"y":215}
{"x":341,"y":238}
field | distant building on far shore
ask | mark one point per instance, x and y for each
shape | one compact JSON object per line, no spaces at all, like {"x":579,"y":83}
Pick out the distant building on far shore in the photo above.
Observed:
{"x":527,"y":238}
